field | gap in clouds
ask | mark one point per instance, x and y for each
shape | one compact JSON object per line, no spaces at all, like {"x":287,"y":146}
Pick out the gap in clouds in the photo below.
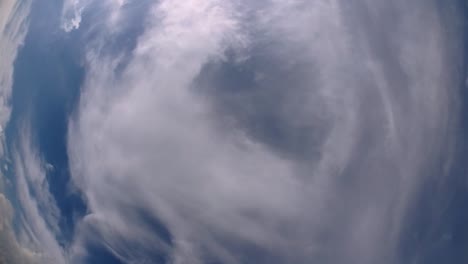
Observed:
{"x":46,"y":88}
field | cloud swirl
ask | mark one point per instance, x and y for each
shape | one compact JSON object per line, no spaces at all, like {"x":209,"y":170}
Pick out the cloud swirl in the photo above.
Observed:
{"x":275,"y":131}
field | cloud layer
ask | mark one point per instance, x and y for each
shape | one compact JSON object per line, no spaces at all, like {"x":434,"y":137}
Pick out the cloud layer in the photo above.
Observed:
{"x":274,"y":132}
{"x":226,"y":131}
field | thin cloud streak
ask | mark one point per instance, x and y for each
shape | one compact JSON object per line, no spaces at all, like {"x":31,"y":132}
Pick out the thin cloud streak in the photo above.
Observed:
{"x":38,"y":208}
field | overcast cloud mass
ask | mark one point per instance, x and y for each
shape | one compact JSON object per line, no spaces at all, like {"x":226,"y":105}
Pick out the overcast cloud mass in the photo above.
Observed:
{"x":233,"y":131}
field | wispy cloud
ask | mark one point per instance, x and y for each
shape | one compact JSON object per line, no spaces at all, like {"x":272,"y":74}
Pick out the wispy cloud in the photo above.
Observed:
{"x":37,"y":206}
{"x":177,"y":156}
{"x":10,"y":250}
{"x":13,"y":28}
{"x":71,"y":14}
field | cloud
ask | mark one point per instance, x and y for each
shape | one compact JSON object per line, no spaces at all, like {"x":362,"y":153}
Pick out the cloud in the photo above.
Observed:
{"x":73,"y":10}
{"x":13,"y":28}
{"x":36,"y":215}
{"x":191,"y":146}
{"x":39,"y":211}
{"x":71,"y":14}
{"x":10,"y":251}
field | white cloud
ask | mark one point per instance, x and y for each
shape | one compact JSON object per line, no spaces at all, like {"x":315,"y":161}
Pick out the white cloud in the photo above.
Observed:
{"x":39,"y":212}
{"x":71,"y":14}
{"x":73,"y":10}
{"x":145,"y":140}
{"x":13,"y":28}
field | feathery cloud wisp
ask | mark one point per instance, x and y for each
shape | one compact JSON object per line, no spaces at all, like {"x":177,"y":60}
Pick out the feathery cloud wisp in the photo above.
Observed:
{"x":13,"y":28}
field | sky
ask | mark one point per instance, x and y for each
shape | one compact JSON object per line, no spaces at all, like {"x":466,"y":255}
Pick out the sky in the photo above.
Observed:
{"x":233,"y":131}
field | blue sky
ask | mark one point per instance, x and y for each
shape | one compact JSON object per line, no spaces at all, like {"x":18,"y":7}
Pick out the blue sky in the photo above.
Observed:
{"x":219,"y":131}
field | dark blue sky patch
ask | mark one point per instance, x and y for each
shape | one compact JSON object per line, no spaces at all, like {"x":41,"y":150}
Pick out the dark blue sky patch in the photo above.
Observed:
{"x":46,"y":88}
